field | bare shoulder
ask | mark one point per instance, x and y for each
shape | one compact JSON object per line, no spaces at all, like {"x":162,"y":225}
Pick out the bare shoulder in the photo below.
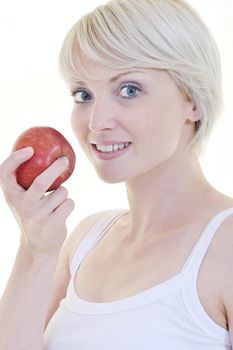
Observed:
{"x":80,"y":232}
{"x":215,"y":285}
{"x":223,"y":244}
{"x":62,"y":273}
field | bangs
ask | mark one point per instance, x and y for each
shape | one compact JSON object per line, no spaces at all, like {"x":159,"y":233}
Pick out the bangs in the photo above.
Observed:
{"x":94,"y":36}
{"x":117,"y":43}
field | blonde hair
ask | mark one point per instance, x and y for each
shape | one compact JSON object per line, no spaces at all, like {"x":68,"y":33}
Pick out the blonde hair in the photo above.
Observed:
{"x":160,"y":34}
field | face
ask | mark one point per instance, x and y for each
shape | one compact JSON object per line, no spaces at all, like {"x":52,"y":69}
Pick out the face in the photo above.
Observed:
{"x":129,"y":122}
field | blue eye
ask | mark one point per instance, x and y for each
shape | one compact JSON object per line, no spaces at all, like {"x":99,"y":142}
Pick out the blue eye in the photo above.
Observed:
{"x":81,"y":96}
{"x":129,"y":91}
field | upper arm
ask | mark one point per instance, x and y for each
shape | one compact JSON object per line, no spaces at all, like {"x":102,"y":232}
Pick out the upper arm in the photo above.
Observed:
{"x":226,"y":245}
{"x":59,"y":283}
{"x":228,"y":300}
{"x":62,"y":276}
{"x":229,"y":309}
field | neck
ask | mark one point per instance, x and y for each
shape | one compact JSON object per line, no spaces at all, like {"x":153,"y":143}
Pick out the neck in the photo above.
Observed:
{"x":167,"y":196}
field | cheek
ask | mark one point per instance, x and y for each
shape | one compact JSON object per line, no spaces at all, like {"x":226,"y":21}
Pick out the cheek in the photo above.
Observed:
{"x":80,"y":130}
{"x":164,"y":128}
{"x":78,"y":125}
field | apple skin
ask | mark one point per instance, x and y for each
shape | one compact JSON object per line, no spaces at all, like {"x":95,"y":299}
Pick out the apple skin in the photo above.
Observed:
{"x":48,"y":144}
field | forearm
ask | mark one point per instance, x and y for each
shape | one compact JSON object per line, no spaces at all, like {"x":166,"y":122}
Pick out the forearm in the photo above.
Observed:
{"x":42,"y":221}
{"x":23,"y":306}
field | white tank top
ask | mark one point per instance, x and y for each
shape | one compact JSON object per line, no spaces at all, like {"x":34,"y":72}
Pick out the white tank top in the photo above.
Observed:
{"x":168,"y":316}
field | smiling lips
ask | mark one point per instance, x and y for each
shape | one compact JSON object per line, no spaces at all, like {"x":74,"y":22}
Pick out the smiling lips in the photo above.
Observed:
{"x":112,"y":147}
{"x":110,"y":151}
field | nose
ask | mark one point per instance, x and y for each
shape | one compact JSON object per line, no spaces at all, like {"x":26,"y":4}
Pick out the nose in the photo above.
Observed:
{"x":101,"y":116}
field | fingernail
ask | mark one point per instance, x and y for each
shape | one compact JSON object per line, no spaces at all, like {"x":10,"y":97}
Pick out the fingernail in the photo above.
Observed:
{"x":65,"y":160}
{"x":28,"y":151}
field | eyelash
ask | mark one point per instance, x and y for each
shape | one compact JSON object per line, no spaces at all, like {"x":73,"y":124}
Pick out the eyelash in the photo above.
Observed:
{"x":74,"y":92}
{"x":126,"y":85}
{"x":131,"y":85}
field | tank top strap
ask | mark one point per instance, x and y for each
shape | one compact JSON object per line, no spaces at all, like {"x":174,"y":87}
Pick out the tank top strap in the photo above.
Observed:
{"x":96,"y":232}
{"x":201,"y":247}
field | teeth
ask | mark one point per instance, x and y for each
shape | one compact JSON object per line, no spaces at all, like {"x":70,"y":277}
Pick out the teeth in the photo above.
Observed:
{"x":104,"y":148}
{"x":120,"y":146}
{"x":112,"y":148}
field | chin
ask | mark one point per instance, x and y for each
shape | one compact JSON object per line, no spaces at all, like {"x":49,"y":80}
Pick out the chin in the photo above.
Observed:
{"x":110,"y":178}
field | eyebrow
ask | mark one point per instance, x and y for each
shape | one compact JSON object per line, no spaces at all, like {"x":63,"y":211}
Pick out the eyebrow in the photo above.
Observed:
{"x":116,"y":77}
{"x":113,"y":79}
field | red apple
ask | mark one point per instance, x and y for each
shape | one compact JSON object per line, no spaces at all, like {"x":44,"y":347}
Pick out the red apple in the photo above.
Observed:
{"x":49,"y":144}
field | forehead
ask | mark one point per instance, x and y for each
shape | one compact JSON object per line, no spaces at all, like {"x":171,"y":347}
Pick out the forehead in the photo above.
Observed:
{"x":90,"y":69}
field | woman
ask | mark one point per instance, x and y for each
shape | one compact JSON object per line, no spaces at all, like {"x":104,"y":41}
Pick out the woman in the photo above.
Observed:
{"x":146,"y":82}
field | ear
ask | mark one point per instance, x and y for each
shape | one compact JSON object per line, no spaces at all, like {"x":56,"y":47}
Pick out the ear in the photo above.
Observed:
{"x":193,"y":114}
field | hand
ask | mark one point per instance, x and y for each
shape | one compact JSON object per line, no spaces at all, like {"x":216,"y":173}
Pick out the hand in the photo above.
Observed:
{"x":41,"y":217}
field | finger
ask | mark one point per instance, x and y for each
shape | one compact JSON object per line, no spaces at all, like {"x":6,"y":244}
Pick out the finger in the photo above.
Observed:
{"x":8,"y":167}
{"x":15,"y":159}
{"x":63,"y":211}
{"x":42,"y":182}
{"x":54,"y":199}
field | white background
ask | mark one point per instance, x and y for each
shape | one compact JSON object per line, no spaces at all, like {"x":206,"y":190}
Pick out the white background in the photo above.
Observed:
{"x":31,"y":93}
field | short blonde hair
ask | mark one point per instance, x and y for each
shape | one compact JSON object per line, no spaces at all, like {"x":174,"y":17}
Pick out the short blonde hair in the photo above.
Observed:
{"x":160,"y":34}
